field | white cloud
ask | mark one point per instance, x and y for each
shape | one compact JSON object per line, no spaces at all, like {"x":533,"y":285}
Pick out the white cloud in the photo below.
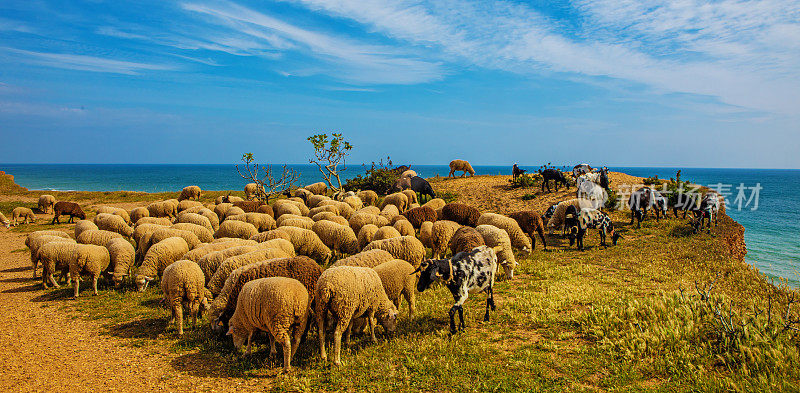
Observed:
{"x":84,"y":63}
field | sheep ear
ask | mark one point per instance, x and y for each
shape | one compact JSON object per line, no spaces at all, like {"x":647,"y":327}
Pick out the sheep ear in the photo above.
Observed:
{"x":230,"y":331}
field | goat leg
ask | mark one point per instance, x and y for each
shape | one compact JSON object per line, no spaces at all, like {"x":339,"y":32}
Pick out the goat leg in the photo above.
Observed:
{"x":461,"y":318}
{"x":452,"y":314}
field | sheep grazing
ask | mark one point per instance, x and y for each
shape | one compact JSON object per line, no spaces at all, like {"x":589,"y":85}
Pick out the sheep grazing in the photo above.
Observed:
{"x":369,"y":197}
{"x":369,"y":258}
{"x":389,"y":212}
{"x":345,"y":210}
{"x":199,"y":252}
{"x":163,"y":233}
{"x":465,"y":239}
{"x":307,"y":243}
{"x":555,"y":175}
{"x":262,"y":222}
{"x":442,"y":232}
{"x":435,"y":204}
{"x":249,"y":206}
{"x":412,"y":198}
{"x":518,"y":238}
{"x":210,"y":262}
{"x":98,"y":237}
{"x":190,"y":192}
{"x":594,"y":193}
{"x":275,"y":305}
{"x":358,"y":220}
{"x":55,"y":257}
{"x":398,"y":199}
{"x":460,"y":165}
{"x":354,"y":202}
{"x":347,"y":292}
{"x":465,"y":272}
{"x":115,"y":211}
{"x":301,"y":193}
{"x":162,"y":209}
{"x":122,"y":256}
{"x":531,"y":223}
{"x":46,"y":203}
{"x":301,"y":268}
{"x":187,"y":204}
{"x":418,"y":215}
{"x":386,"y":232}
{"x":4,"y":221}
{"x":426,"y":234}
{"x":399,"y":280}
{"x":232,"y":211}
{"x":297,"y":223}
{"x":234,"y":228}
{"x":461,"y":213}
{"x":217,"y":281}
{"x":319,"y":188}
{"x":404,"y":227}
{"x":416,"y":185}
{"x":221,"y":208}
{"x":197,"y":219}
{"x":202,"y":233}
{"x":22,"y":214}
{"x":113,"y":223}
{"x":286,"y":208}
{"x":182,"y":284}
{"x":338,"y":237}
{"x":330,"y":217}
{"x":37,"y":240}
{"x":407,"y":248}
{"x":159,"y":256}
{"x":366,"y":235}
{"x":323,"y":208}
{"x":63,"y":208}
{"x":557,"y":219}
{"x":138,"y":213}
{"x":251,"y":190}
{"x":89,"y":259}
{"x":407,"y":174}
{"x":162,"y":221}
{"x":313,"y":200}
{"x":369,"y":210}
{"x":496,"y":237}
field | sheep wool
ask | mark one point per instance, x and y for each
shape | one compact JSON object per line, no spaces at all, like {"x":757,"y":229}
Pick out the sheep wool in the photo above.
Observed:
{"x":159,"y":256}
{"x":187,"y":204}
{"x":354,"y":202}
{"x":366,"y":234}
{"x":441,"y":233}
{"x":163,"y":221}
{"x":91,"y":260}
{"x":494,"y":237}
{"x":182,"y":285}
{"x":557,"y":220}
{"x":137,"y":213}
{"x":46,"y":202}
{"x":233,"y":228}
{"x":404,"y":227}
{"x":411,"y":195}
{"x":190,"y":192}
{"x":233,"y":211}
{"x":163,"y":233}
{"x":273,"y":234}
{"x":426,"y":234}
{"x":302,"y":193}
{"x":4,"y":221}
{"x":330,"y":217}
{"x":297,"y":223}
{"x":162,"y":209}
{"x":336,"y":236}
{"x":461,"y":165}
{"x":197,"y":219}
{"x":36,"y":242}
{"x":299,"y":205}
{"x":385,"y":232}
{"x":221,"y":208}
{"x":314,"y":200}
{"x":285,"y":217}
{"x":515,"y":233}
{"x":142,"y":231}
{"x":370,"y":258}
{"x":211,"y":261}
{"x":407,"y":248}
{"x":115,"y":211}
{"x":276,"y":305}
{"x":344,"y":291}
{"x":369,"y":197}
{"x":262,"y":222}
{"x":260,"y":254}
{"x":531,"y":223}
{"x":345,"y":210}
{"x":251,"y":190}
{"x":461,"y":213}
{"x":122,"y":256}
{"x":301,"y":268}
{"x":97,"y":237}
{"x":358,"y":220}
{"x":286,"y":208}
{"x":319,"y":188}
{"x":389,"y":212}
{"x":369,"y":209}
{"x":307,"y":243}
{"x":113,"y":223}
{"x":199,"y":252}
{"x":323,"y":208}
{"x":465,"y":239}
{"x":84,"y":225}
{"x":398,"y":199}
{"x":399,"y":280}
{"x":22,"y":213}
{"x":55,"y":257}
{"x":202,"y":233}
{"x":435,"y":203}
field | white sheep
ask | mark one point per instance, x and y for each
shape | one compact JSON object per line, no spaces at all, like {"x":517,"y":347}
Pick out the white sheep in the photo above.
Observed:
{"x":183,"y":284}
{"x":404,"y":227}
{"x":46,"y":202}
{"x":407,"y":248}
{"x":494,"y":237}
{"x":366,"y":235}
{"x":159,"y":256}
{"x":190,"y":192}
{"x":162,"y":209}
{"x":399,"y":280}
{"x":251,"y":190}
{"x":275,"y":305}
{"x":199,"y":252}
{"x":347,"y":292}
{"x":22,"y":213}
{"x":442,"y":232}
{"x":122,"y":256}
{"x":55,"y":257}
{"x":89,"y":259}
{"x":117,"y":211}
{"x":137,"y":213}
{"x":197,"y":219}
{"x":187,"y":204}
{"x":98,"y":237}
{"x":358,"y":220}
{"x":370,"y":258}
{"x":319,"y":188}
{"x":307,"y":243}
{"x":398,"y":199}
{"x":518,"y":237}
{"x":113,"y":223}
{"x":233,"y":228}
{"x":217,"y":280}
{"x":386,"y":232}
{"x":163,"y":221}
{"x":336,"y":236}
{"x":262,"y":222}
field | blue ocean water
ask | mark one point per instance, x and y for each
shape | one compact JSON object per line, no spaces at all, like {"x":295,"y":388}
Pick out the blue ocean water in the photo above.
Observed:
{"x":771,"y":231}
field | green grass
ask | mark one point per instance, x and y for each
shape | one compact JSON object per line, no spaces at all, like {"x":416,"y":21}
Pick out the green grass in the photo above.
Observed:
{"x":538,"y":339}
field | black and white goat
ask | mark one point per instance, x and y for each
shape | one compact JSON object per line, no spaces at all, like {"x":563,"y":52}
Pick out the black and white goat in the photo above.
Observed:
{"x":591,"y":218}
{"x":465,"y":272}
{"x":581,"y":169}
{"x":644,"y":199}
{"x":708,"y":210}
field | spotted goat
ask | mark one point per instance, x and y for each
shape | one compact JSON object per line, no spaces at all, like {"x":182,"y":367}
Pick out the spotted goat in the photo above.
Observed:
{"x":643,"y":200}
{"x":590,"y":218}
{"x":465,"y":272}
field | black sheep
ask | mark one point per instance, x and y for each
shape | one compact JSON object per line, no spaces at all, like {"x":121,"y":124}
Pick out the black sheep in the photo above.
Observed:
{"x":416,"y":184}
{"x":555,"y":175}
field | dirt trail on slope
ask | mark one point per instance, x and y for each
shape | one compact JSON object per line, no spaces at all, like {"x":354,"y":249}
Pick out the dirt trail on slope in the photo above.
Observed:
{"x":48,"y":347}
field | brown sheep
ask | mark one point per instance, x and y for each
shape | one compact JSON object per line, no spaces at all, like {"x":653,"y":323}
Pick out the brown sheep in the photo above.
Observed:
{"x":530,"y":222}
{"x":461,"y":213}
{"x":418,"y":215}
{"x":460,"y":165}
{"x":465,"y":239}
{"x":63,"y":208}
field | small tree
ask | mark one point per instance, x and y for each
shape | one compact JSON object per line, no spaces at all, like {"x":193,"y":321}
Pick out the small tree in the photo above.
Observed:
{"x":329,"y":153}
{"x":268,"y":185}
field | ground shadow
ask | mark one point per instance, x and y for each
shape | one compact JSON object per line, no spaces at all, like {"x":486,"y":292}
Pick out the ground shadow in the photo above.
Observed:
{"x":199,"y":364}
{"x":27,"y":288}
{"x":16,"y":279}
{"x":149,"y":328}
{"x":63,"y":293}
{"x":16,"y":269}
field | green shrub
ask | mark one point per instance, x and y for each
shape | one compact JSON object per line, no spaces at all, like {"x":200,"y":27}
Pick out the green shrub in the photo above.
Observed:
{"x":379,"y":177}
{"x":528,"y":197}
{"x":652,"y":181}
{"x":526,"y":180}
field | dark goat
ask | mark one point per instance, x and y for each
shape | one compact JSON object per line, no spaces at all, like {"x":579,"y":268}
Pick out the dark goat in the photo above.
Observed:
{"x":63,"y":208}
{"x":416,"y":184}
{"x":644,"y":199}
{"x":685,"y":201}
{"x":516,"y":172}
{"x":709,"y":210}
{"x":465,"y":272}
{"x":555,"y":175}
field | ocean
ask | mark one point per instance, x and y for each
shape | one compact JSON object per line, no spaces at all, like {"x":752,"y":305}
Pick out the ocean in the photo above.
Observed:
{"x":772,"y":229}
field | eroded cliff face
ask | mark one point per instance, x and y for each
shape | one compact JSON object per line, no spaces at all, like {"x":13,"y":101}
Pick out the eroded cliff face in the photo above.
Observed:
{"x":7,"y":183}
{"x":732,"y":233}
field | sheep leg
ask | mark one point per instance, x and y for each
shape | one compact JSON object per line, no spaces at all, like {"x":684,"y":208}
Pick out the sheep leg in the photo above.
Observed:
{"x":299,"y":331}
{"x":178,"y":307}
{"x":371,"y":322}
{"x":337,"y":341}
{"x":410,"y":299}
{"x":321,"y":316}
{"x":75,"y":286}
{"x":249,"y":343}
{"x":272,"y":350}
{"x":287,"y":352}
{"x":194,"y":308}
{"x":94,"y":284}
{"x":52,"y":280}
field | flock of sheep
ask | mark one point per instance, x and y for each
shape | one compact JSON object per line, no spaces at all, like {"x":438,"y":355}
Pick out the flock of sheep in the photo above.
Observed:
{"x":256,"y":266}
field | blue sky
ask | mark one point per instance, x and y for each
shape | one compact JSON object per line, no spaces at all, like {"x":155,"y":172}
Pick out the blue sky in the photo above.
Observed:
{"x":614,"y":82}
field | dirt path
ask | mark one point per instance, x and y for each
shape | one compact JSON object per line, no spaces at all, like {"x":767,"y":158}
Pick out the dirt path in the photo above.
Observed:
{"x":48,"y":347}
